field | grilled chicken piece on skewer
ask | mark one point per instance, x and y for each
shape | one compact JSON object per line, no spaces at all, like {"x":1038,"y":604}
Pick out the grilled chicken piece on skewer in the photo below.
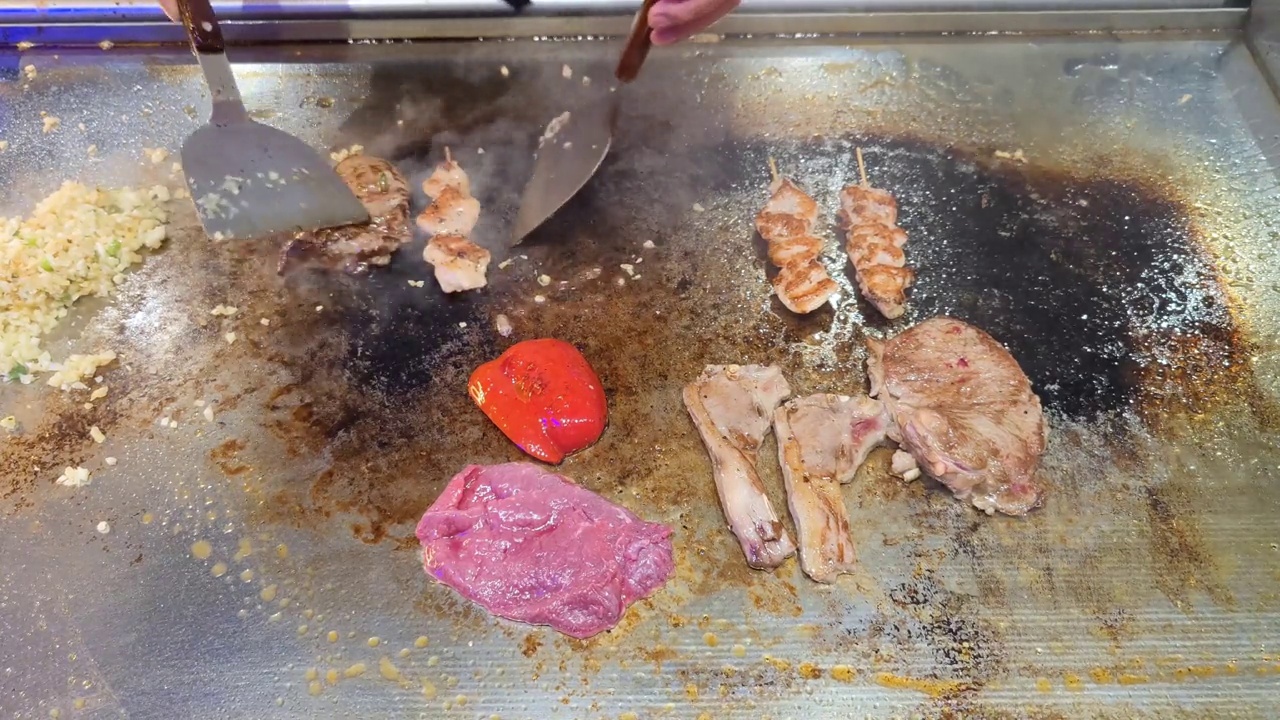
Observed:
{"x":964,"y":410}
{"x":822,"y":440}
{"x":385,"y":194}
{"x":732,"y":406}
{"x":460,"y":264}
{"x":451,"y":213}
{"x":787,"y":224}
{"x":874,"y":244}
{"x":447,"y":174}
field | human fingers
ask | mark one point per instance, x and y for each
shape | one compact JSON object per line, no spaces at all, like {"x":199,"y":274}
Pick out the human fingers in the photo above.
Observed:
{"x":676,"y":20}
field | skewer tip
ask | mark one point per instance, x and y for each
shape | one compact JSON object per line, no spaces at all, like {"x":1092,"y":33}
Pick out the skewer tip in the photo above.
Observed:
{"x":862,"y":168}
{"x":448,"y":156}
{"x":773,"y":169}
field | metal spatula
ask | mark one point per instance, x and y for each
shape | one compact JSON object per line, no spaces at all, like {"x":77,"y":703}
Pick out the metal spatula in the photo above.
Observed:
{"x":249,"y":180}
{"x":571,"y":157}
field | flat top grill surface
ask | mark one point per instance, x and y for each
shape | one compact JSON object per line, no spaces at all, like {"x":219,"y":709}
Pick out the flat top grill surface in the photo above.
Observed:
{"x":1106,"y":207}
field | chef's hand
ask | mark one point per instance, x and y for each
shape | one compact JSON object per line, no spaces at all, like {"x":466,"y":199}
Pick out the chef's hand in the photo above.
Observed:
{"x":676,"y":20}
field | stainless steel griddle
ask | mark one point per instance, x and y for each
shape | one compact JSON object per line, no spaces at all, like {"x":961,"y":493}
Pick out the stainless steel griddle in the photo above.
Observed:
{"x":1128,"y":259}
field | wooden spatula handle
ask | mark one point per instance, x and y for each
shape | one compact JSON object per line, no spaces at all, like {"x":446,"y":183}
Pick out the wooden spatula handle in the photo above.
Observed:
{"x":202,"y":26}
{"x":638,"y":44}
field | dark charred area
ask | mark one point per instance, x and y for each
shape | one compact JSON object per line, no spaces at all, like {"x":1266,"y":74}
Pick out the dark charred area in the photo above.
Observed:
{"x":1178,"y":548}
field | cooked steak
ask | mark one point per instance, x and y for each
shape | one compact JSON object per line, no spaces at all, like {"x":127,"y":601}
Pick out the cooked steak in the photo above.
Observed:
{"x":385,"y":194}
{"x":965,"y":410}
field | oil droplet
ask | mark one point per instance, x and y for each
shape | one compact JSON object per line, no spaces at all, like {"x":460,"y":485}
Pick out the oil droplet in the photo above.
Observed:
{"x":55,"y":713}
{"x":244,"y":550}
{"x":355,"y":670}
{"x":691,"y":691}
{"x":311,"y":674}
{"x":433,"y":661}
{"x":315,"y":688}
{"x":282,"y":551}
{"x":710,"y":639}
{"x":460,"y":701}
{"x":704,"y":716}
{"x":404,"y":652}
{"x":421,"y":642}
{"x":308,"y":613}
{"x":739,"y":651}
{"x":332,"y":636}
{"x":387,"y":670}
{"x":1074,"y":683}
{"x":428,"y":689}
{"x":201,"y":549}
{"x":147,"y":518}
{"x":268,"y":593}
{"x":1130,"y":679}
{"x":78,"y":704}
{"x":302,"y":629}
{"x":1102,"y":676}
{"x":809,"y":671}
{"x":374,"y":642}
{"x":843,"y":673}
{"x":219,"y":569}
{"x":1043,"y":685}
{"x":247,"y":576}
{"x":778,"y":664}
{"x":274,"y":617}
{"x":331,"y":676}
{"x":628,"y":716}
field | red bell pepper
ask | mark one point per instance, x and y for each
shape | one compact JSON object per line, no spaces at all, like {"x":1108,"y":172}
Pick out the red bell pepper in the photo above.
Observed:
{"x":544,"y":396}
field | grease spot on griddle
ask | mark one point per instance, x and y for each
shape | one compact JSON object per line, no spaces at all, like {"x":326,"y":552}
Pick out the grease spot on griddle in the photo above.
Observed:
{"x":1178,"y":549}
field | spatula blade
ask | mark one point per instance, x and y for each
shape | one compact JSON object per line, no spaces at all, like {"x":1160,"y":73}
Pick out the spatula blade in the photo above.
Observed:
{"x":566,"y":160}
{"x":249,"y":180}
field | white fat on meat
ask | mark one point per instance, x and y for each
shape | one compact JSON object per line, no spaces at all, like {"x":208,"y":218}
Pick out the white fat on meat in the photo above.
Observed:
{"x":964,"y":410}
{"x":822,"y":441}
{"x":460,"y":264}
{"x":732,"y":407}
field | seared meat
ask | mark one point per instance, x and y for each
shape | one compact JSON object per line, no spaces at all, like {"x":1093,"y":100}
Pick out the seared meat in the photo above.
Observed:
{"x":451,"y":213}
{"x":447,"y":174}
{"x":822,"y":440}
{"x":804,"y":286}
{"x":965,"y":410}
{"x":460,"y":264}
{"x":385,"y":194}
{"x":874,"y":244}
{"x":732,"y":406}
{"x":787,"y":224}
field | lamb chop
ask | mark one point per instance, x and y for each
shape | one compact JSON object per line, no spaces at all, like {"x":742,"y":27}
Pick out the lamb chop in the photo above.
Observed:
{"x":787,"y":223}
{"x":732,"y":407}
{"x":385,"y":194}
{"x":822,"y":440}
{"x":964,"y":410}
{"x":874,"y":244}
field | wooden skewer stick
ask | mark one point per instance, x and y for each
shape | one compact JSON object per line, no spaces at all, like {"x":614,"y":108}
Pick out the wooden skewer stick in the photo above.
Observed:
{"x":862,"y":169}
{"x":448,"y":156}
{"x":773,"y":169}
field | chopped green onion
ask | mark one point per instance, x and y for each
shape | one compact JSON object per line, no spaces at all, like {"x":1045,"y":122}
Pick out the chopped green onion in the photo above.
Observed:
{"x":17,"y":371}
{"x":46,"y":265}
{"x":113,"y":248}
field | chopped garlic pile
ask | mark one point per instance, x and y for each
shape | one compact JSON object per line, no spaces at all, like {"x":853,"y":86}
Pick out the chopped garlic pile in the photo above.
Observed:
{"x":76,"y":243}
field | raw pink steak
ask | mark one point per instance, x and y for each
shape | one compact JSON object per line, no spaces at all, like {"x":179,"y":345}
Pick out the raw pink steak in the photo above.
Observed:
{"x":531,"y":546}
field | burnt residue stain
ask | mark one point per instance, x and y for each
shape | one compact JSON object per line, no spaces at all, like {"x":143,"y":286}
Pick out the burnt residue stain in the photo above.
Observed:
{"x":224,"y":456}
{"x":1182,"y":560}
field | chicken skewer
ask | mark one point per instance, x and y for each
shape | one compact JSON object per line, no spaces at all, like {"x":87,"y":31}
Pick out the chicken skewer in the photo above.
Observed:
{"x":460,"y":264}
{"x":822,"y":440}
{"x":874,"y":244}
{"x":732,"y":406}
{"x":787,"y":222}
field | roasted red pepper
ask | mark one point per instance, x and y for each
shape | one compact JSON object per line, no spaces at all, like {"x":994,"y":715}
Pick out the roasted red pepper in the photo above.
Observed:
{"x":544,"y":396}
